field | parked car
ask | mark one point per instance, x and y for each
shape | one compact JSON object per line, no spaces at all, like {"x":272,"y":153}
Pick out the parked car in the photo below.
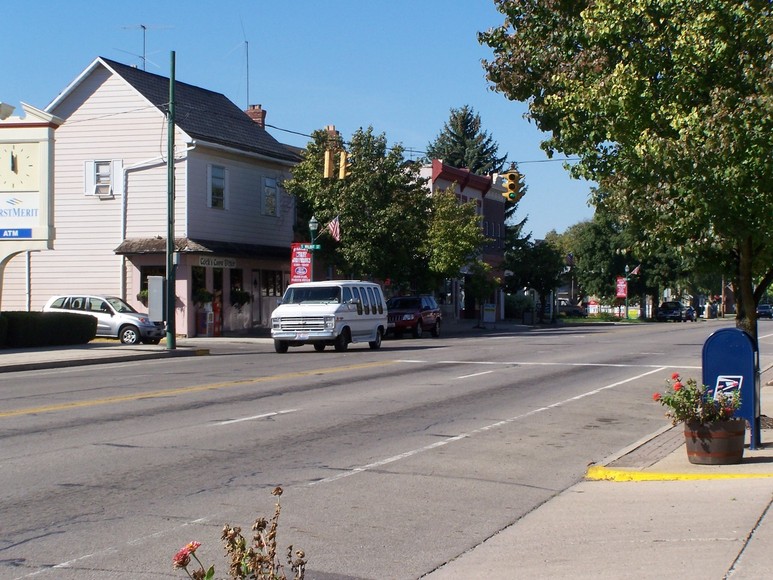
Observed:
{"x":572,"y":310}
{"x":671,"y":310}
{"x":764,"y":311}
{"x":689,"y":314}
{"x":414,"y":314}
{"x":115,"y":318}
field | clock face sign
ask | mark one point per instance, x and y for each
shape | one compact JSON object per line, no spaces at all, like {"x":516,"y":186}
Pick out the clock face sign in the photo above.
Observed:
{"x":19,"y":166}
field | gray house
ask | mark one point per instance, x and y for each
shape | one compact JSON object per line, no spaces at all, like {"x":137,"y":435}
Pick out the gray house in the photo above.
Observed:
{"x":233,"y":220}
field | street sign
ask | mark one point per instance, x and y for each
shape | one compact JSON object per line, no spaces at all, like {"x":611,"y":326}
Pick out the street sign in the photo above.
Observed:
{"x":310,"y":246}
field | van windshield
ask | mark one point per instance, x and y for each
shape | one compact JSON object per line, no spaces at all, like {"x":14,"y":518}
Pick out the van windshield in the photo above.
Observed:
{"x":322,"y":294}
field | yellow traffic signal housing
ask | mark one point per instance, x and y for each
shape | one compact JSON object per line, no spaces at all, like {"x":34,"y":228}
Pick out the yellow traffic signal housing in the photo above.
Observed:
{"x":344,"y":168}
{"x":327,"y":172}
{"x":514,"y":188}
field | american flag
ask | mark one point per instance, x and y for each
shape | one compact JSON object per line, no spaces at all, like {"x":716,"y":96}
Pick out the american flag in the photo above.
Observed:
{"x":636,"y":270}
{"x":334,"y":227}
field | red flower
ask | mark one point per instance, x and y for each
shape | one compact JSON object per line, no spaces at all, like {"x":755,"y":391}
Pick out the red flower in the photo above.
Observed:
{"x":675,"y":377}
{"x":193,"y":546}
{"x":182,"y":558}
{"x":677,"y":386}
{"x":656,"y":397}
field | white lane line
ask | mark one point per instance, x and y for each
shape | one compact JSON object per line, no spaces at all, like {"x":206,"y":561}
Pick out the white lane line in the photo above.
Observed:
{"x":479,"y":430}
{"x":254,"y":417}
{"x":544,"y":364}
{"x":474,"y":375}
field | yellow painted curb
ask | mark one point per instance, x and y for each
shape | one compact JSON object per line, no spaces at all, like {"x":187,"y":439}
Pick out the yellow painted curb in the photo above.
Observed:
{"x":601,"y":473}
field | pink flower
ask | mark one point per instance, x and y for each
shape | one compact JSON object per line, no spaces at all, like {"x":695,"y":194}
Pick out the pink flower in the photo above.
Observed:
{"x":193,"y":546}
{"x":675,"y":377}
{"x":677,"y":386}
{"x":182,"y":558}
{"x":656,"y":397}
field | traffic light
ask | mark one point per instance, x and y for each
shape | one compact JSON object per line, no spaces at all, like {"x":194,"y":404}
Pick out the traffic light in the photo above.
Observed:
{"x":344,"y":167}
{"x":514,"y":188}
{"x":328,"y":170}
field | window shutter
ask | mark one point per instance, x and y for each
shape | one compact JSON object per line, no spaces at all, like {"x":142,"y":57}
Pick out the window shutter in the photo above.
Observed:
{"x":226,"y":189}
{"x":116,"y":176}
{"x":209,"y":185}
{"x":88,"y":174}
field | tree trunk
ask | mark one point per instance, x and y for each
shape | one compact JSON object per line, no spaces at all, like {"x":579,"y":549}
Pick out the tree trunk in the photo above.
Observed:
{"x":743,"y":287}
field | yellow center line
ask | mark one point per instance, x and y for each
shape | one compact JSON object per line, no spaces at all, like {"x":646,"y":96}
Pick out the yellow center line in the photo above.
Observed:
{"x":185,"y":390}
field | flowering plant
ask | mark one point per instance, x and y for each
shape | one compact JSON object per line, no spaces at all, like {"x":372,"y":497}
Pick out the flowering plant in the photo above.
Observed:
{"x":259,"y":561}
{"x":688,"y":401}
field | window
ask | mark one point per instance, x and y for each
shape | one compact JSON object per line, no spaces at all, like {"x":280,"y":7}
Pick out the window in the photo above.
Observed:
{"x":104,"y":178}
{"x":217,"y":187}
{"x":272,"y":282}
{"x":270,"y":197}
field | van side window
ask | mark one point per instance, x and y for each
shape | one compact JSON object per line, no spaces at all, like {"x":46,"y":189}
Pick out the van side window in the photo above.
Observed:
{"x":373,"y":302}
{"x":347,"y":295}
{"x":365,"y":301}
{"x":358,"y":299}
{"x":380,"y":299}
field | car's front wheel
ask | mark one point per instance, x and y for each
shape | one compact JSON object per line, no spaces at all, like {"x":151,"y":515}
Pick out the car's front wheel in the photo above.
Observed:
{"x":417,"y":330}
{"x":342,"y":341}
{"x":129,"y":335}
{"x":436,"y":329}
{"x":281,"y":346}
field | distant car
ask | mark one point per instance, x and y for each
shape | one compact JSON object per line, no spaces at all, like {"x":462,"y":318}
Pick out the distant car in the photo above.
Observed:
{"x":671,"y":311}
{"x":115,"y":318}
{"x":689,"y":314}
{"x":569,"y":309}
{"x":764,"y":311}
{"x":414,"y":314}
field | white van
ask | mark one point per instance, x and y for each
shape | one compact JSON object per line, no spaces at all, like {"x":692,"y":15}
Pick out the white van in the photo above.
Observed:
{"x":335,"y":313}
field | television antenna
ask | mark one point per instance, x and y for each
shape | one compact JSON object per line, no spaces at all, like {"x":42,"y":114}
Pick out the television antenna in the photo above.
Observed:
{"x":144,"y":28}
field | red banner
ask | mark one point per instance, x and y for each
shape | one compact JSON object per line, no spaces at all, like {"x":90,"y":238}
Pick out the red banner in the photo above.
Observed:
{"x":622,"y":287}
{"x":300,"y":264}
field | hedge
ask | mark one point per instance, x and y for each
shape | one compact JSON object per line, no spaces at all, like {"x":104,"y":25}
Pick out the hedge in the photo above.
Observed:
{"x":31,"y":329}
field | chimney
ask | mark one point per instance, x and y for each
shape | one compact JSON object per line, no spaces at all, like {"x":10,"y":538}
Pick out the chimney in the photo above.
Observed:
{"x":257,"y":114}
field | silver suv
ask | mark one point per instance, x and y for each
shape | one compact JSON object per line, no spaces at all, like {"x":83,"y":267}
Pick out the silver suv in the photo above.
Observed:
{"x":115,"y":318}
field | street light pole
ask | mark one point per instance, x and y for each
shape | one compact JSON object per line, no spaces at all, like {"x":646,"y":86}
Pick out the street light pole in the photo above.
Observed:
{"x":313,"y":227}
{"x":626,"y":291}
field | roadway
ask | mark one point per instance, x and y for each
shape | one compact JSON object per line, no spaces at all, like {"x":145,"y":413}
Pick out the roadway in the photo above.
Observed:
{"x":393,"y":462}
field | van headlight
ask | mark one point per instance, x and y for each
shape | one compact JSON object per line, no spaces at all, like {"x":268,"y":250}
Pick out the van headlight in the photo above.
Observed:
{"x":330,"y":322}
{"x":276,"y":323}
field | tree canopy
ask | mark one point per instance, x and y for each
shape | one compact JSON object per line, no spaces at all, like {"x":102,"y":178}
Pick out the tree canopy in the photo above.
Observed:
{"x":667,"y":104}
{"x":463,"y":143}
{"x":391,"y":225}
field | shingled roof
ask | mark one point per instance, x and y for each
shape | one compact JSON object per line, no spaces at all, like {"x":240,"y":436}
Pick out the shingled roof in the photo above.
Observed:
{"x":204,"y":115}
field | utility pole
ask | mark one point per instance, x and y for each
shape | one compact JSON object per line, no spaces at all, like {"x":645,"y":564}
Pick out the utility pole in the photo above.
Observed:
{"x":170,"y":262}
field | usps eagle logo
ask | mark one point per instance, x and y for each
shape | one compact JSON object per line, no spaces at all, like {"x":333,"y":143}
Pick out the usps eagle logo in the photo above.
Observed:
{"x":727,"y":384}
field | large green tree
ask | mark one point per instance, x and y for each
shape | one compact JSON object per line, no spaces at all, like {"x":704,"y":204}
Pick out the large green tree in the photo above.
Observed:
{"x":668,"y":105}
{"x":390,"y":224}
{"x":463,"y":143}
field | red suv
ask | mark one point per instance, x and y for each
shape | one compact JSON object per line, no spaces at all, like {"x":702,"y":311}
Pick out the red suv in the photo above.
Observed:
{"x":414,"y":314}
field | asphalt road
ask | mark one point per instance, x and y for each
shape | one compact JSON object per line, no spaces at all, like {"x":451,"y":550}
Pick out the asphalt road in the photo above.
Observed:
{"x":393,"y":461}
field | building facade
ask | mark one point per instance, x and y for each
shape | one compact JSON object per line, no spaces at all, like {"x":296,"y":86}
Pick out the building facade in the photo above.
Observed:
{"x":233,"y":221}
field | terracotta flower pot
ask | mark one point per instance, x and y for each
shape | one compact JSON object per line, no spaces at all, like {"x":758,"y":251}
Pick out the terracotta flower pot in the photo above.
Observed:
{"x":716,"y":443}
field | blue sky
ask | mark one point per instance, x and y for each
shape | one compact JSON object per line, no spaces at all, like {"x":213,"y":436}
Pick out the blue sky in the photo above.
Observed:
{"x":396,"y":65}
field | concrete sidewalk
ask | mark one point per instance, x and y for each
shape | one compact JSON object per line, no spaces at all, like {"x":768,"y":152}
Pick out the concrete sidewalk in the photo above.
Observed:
{"x":645,"y":512}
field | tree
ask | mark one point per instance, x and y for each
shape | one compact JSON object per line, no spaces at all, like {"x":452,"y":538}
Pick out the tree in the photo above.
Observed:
{"x":391,"y":226}
{"x":462,"y":143}
{"x":536,"y":265}
{"x":667,"y":104}
{"x":454,"y":236}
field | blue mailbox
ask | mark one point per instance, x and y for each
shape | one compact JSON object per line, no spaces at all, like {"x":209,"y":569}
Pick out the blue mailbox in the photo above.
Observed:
{"x":730,"y":363}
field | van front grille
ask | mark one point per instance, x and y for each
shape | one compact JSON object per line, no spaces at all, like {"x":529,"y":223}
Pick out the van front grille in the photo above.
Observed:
{"x":308,"y":324}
